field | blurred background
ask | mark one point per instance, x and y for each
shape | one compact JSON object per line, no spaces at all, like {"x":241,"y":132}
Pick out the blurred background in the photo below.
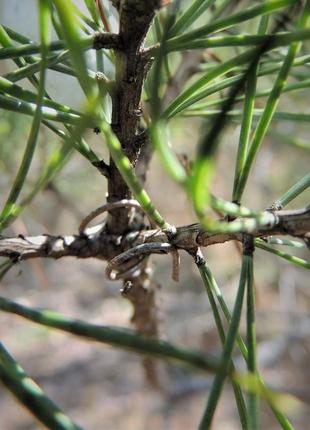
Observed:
{"x":102,"y":388}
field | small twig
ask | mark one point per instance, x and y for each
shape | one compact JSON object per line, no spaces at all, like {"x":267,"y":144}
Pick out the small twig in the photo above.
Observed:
{"x":132,"y":272}
{"x":103,"y":16}
{"x":138,"y":252}
{"x":103,"y":167}
{"x":107,"y":207}
{"x":175,"y":265}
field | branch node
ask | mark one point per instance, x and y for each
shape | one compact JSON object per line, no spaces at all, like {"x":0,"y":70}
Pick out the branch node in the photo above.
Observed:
{"x":14,"y":256}
{"x":198,"y":256}
{"x":127,"y":287}
{"x":103,"y":167}
{"x":248,"y":244}
{"x":170,"y":232}
{"x":275,"y":206}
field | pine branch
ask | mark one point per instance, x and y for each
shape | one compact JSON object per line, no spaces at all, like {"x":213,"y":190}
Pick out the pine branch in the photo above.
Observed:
{"x":102,"y":245}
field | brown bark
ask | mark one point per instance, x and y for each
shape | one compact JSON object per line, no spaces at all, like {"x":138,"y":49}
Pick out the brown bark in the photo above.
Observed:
{"x":102,"y":245}
{"x":131,"y":65}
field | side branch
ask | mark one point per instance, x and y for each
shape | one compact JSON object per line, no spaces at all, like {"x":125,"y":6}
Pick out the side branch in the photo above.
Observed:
{"x":105,"y":246}
{"x":107,"y":41}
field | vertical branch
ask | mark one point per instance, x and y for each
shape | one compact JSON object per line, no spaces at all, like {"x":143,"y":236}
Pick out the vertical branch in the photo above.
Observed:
{"x":131,"y":66}
{"x":130,"y":70}
{"x":142,"y":295}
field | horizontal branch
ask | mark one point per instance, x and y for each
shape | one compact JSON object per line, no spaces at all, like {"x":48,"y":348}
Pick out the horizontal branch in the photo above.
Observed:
{"x":47,"y":246}
{"x":95,"y":242}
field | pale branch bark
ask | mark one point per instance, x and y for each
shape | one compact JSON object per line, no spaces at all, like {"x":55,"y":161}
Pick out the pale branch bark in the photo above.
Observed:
{"x":48,"y":246}
{"x":99,"y":244}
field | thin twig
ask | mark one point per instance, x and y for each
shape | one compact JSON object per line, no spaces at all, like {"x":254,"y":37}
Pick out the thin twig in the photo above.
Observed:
{"x":105,"y":208}
{"x":138,"y":252}
{"x":103,"y":16}
{"x":175,"y":264}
